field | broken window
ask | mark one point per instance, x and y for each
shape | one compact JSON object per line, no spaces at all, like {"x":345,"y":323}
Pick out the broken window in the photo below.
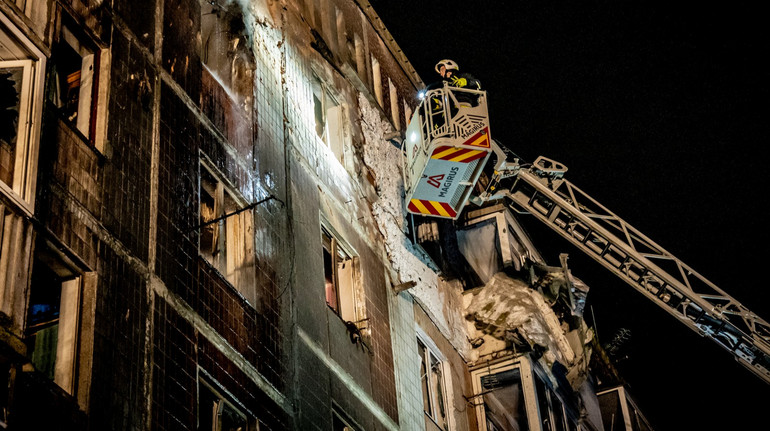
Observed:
{"x":22,"y":67}
{"x":343,"y":293}
{"x":53,"y":317}
{"x":226,"y":52}
{"x":328,"y":118}
{"x":226,"y":235}
{"x":75,"y":73}
{"x":216,"y":413}
{"x":433,"y":385}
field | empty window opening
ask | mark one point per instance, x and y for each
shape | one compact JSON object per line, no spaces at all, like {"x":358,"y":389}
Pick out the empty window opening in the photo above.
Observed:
{"x":377,"y":84}
{"x":395,"y":114}
{"x":433,"y":386}
{"x":328,"y":118}
{"x":227,"y":243}
{"x":360,"y":57}
{"x":216,"y":413}
{"x":407,"y":113}
{"x":53,"y":318}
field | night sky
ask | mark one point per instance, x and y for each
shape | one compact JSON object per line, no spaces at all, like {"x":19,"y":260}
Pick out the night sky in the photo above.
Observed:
{"x":660,"y":110}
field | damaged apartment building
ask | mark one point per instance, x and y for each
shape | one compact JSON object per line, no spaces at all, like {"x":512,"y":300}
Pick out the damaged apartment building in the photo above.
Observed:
{"x":203,"y":228}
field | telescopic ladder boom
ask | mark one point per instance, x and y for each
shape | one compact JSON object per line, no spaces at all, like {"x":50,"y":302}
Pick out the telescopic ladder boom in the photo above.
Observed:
{"x":541,"y":190}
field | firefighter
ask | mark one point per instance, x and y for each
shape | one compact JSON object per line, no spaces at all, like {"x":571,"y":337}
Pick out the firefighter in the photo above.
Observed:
{"x":450,"y":74}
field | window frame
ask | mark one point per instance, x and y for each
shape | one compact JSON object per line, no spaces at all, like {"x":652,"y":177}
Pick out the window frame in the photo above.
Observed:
{"x":334,"y":140}
{"x":205,"y":380}
{"x":224,"y":191}
{"x":69,"y":316}
{"x":431,"y":353}
{"x":92,"y":130}
{"x":527,"y":386}
{"x":22,"y":190}
{"x":351,"y":307}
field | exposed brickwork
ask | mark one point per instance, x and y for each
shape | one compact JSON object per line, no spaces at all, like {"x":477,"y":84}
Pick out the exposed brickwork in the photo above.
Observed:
{"x":139,"y":18}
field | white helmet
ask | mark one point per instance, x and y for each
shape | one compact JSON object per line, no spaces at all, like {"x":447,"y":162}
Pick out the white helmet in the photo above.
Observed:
{"x":448,"y":64}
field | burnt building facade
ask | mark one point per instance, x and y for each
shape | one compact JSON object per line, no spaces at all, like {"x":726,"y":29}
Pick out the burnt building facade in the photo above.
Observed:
{"x":203,"y":228}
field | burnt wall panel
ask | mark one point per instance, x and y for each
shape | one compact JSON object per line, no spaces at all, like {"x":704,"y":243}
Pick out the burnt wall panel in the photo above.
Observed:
{"x":177,"y":237}
{"x":127,"y":170}
{"x":117,"y":396}
{"x":69,"y":187}
{"x":313,"y":391}
{"x":140,"y":18}
{"x":255,"y":335}
{"x":181,"y":40}
{"x":174,"y":379}
{"x":224,"y":371}
{"x":178,"y":351}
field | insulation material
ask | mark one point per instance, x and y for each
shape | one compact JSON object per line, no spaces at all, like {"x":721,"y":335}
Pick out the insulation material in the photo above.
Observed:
{"x":479,"y":246}
{"x":559,"y":282}
{"x":408,"y":263}
{"x":505,"y":305}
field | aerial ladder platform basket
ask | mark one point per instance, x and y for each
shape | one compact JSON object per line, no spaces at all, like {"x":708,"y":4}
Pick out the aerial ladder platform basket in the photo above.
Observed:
{"x":446,"y":146}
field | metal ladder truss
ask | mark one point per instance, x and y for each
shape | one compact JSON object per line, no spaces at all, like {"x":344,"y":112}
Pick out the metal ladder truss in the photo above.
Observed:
{"x":643,"y":264}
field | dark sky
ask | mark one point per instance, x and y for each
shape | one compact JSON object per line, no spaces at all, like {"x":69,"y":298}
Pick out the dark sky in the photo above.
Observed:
{"x":660,"y":111}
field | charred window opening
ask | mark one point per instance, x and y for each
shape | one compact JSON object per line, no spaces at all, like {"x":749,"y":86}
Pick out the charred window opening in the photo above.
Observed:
{"x":226,"y":50}
{"x":74,"y":77}
{"x":21,"y":84}
{"x":53,"y":318}
{"x":217,"y":413}
{"x":433,"y":385}
{"x":226,"y":238}
{"x":328,"y":118}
